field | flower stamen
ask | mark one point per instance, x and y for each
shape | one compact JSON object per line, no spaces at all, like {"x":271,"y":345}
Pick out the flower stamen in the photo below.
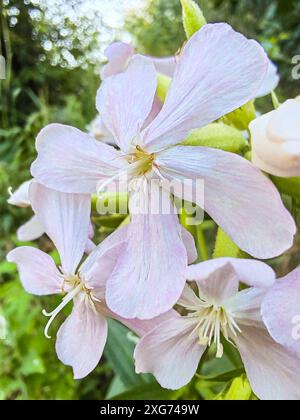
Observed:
{"x":213,"y":320}
{"x":70,"y":296}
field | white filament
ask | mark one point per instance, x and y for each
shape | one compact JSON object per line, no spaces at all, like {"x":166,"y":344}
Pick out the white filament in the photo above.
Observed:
{"x":70,"y":296}
{"x":213,"y":321}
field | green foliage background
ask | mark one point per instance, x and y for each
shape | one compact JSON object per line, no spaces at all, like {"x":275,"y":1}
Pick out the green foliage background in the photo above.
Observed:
{"x":36,"y":93}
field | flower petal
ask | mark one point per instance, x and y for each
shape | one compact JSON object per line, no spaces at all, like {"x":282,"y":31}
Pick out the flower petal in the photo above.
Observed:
{"x":281,"y":312}
{"x":31,"y":230}
{"x":285,"y":123}
{"x":276,"y":140}
{"x":142,"y":327}
{"x":66,"y":220}
{"x":273,"y":373}
{"x":245,"y":307}
{"x":253,"y":273}
{"x":165,"y":65}
{"x":99,"y":132}
{"x":20,"y":197}
{"x":270,"y":81}
{"x":150,"y":273}
{"x":219,"y":71}
{"x":99,"y":265}
{"x":138,"y":326}
{"x":170,"y":352}
{"x":71,"y":161}
{"x":125,"y":101}
{"x":81,"y":339}
{"x":189,"y":243}
{"x":237,"y":196}
{"x":118,"y":55}
{"x":90,"y":246}
{"x":221,"y":284}
{"x":37,"y":270}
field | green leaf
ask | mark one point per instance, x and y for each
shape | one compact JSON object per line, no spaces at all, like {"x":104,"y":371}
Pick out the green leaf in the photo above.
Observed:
{"x":192,"y":16}
{"x":151,"y":391}
{"x":119,"y":352}
{"x":116,"y":387}
{"x":7,"y":268}
{"x":225,"y":377}
{"x":111,"y":221}
{"x":225,"y":247}
{"x":239,"y":390}
{"x":32,"y":364}
{"x":289,"y":186}
{"x":218,"y":136}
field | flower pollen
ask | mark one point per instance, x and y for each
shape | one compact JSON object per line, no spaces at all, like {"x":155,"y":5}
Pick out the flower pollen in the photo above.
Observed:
{"x":142,"y":160}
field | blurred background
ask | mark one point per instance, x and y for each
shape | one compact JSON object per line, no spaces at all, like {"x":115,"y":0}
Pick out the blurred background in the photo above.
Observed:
{"x":53,"y":51}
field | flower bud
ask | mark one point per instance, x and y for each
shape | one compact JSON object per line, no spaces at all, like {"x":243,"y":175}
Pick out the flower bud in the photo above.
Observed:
{"x":241,"y":117}
{"x":276,"y":140}
{"x":217,"y":136}
{"x":193,"y":18}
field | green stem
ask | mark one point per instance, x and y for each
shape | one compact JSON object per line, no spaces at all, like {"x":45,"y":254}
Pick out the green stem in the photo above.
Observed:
{"x":8,"y":52}
{"x":201,"y":244}
{"x":275,"y":100}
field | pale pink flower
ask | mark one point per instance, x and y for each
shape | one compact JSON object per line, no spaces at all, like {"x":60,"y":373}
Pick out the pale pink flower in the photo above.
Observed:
{"x":99,"y":132}
{"x":119,"y":55}
{"x":33,"y":229}
{"x":66,"y":217}
{"x":276,"y":140}
{"x":270,"y":82}
{"x":219,"y":70}
{"x":172,"y":350}
{"x":281,"y":311}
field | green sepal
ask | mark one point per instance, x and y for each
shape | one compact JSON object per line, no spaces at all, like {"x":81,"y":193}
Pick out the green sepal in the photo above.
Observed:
{"x":241,"y":117}
{"x":239,"y":390}
{"x":225,"y":247}
{"x":288,"y":186}
{"x":218,"y":136}
{"x":192,"y":17}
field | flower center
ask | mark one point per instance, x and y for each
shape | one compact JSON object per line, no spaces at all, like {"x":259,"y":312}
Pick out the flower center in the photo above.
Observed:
{"x":142,"y":160}
{"x":213,"y":320}
{"x":72,"y":286}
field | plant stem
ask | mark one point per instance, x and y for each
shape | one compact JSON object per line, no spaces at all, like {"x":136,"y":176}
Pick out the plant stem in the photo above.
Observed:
{"x":201,"y":244}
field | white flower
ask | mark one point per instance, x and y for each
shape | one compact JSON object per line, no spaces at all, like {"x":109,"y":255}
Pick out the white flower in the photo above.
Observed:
{"x":3,"y":328}
{"x":276,"y":140}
